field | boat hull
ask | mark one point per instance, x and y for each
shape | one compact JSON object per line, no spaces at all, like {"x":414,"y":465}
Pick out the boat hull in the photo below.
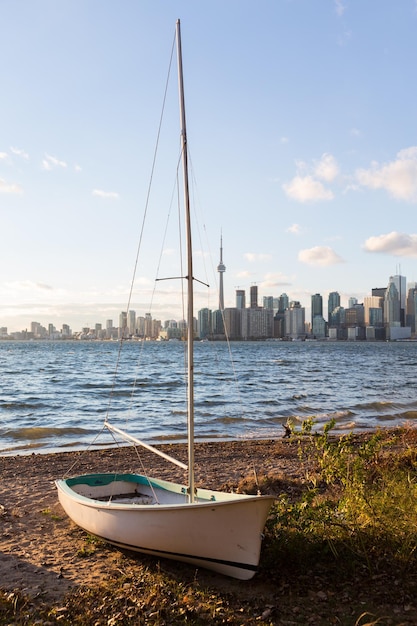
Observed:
{"x":219,"y":531}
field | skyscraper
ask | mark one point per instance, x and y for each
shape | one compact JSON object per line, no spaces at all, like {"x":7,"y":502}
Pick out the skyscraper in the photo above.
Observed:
{"x":221,"y":268}
{"x":295,"y":321}
{"x":411,"y":314}
{"x":268,"y":302}
{"x":217,"y":318}
{"x":400,"y":283}
{"x":123,"y":332}
{"x":131,"y":322}
{"x":283,"y":303}
{"x":204,"y":323}
{"x":333,"y":303}
{"x":240,"y":299}
{"x":316,"y":307}
{"x":392,"y":308}
{"x":254,"y":297}
{"x":373,"y":304}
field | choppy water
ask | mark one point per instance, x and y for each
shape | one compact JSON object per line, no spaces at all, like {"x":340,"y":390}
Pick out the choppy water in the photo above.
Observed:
{"x":54,"y":396}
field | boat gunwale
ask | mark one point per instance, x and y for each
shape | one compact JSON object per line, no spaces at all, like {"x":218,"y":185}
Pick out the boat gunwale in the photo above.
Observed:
{"x":65,"y":487}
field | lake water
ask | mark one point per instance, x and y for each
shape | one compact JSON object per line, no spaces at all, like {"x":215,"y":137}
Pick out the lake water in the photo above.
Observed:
{"x":55,"y":395}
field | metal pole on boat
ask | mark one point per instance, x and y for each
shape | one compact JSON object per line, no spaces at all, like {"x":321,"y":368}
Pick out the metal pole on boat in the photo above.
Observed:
{"x":190,"y":314}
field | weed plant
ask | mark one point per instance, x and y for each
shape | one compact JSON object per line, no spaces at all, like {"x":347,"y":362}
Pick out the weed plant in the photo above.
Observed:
{"x":359,"y":504}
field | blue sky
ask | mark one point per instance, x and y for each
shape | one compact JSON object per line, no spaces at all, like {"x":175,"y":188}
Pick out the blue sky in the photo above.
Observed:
{"x":302,"y":126}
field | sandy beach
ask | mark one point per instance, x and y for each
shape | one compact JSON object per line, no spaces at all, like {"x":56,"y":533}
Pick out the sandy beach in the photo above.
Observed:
{"x":44,"y":554}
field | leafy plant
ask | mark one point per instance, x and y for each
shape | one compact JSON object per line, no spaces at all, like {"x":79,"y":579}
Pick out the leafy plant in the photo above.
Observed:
{"x":359,"y":501}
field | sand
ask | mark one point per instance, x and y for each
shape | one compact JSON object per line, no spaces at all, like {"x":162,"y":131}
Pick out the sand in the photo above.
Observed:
{"x":43,"y":553}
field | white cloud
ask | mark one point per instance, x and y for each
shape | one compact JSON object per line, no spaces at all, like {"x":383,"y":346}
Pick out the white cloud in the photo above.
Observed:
{"x":50,"y":162}
{"x":244,"y":274}
{"x":398,"y":177}
{"x":9,"y":187}
{"x":77,"y":168}
{"x":319,"y":255}
{"x":307,"y":189}
{"x":29,"y":284}
{"x":397,"y":244}
{"x":4,"y":156}
{"x":104,"y":194}
{"x":306,"y":186}
{"x":340,"y":7}
{"x":294,"y":229}
{"x":284,"y":140}
{"x":19,"y":152}
{"x":252,"y":257}
{"x":327,"y":168}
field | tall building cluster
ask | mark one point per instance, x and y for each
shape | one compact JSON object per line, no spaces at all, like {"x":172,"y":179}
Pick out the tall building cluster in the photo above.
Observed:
{"x":388,"y":314}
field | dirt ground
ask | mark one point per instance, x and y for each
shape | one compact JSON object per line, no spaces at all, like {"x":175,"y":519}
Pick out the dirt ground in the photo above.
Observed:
{"x":41,"y":549}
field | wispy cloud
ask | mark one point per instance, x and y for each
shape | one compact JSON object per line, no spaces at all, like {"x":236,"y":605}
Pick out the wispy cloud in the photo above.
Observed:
{"x":340,"y":7}
{"x":294,"y":229}
{"x":252,"y":257}
{"x":244,"y":274}
{"x":50,"y":162}
{"x":104,"y":194}
{"x":319,"y":255}
{"x":19,"y":152}
{"x":398,"y":177}
{"x":6,"y":187}
{"x":272,"y":280}
{"x":344,"y":38}
{"x":3,"y":156}
{"x":29,"y":284}
{"x":396,"y":244}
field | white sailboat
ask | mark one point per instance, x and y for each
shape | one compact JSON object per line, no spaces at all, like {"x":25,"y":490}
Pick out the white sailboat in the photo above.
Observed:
{"x":211,"y":529}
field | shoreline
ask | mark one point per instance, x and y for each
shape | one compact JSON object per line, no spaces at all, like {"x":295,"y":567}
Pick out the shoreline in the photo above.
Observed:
{"x":45,"y":555}
{"x":281,"y":433}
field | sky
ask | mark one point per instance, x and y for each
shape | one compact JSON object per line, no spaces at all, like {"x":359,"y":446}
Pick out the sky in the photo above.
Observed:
{"x":302,"y":129}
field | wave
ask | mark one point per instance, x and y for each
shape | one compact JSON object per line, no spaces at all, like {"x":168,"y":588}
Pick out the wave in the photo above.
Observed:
{"x":376,"y":405}
{"x":409,"y":415}
{"x":45,"y":432}
{"x":23,"y":405}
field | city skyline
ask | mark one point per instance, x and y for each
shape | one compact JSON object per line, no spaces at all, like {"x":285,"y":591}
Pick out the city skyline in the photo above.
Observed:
{"x":242,"y":299}
{"x":302,"y":141}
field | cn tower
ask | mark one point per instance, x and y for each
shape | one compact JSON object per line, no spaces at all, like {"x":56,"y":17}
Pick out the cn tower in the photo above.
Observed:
{"x":221,"y":268}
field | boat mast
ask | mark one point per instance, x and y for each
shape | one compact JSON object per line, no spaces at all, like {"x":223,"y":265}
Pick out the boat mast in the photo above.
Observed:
{"x":190,"y":310}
